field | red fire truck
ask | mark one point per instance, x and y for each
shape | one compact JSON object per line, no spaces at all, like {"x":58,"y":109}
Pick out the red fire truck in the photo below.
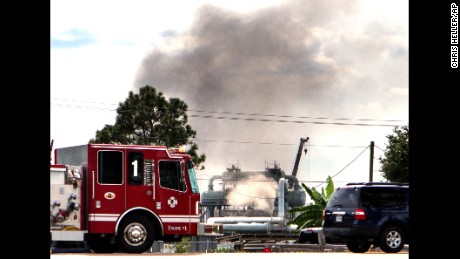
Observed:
{"x":124,"y":197}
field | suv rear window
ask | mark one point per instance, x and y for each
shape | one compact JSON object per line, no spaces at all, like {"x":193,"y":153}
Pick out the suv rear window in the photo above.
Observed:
{"x":382,"y":197}
{"x":344,"y":197}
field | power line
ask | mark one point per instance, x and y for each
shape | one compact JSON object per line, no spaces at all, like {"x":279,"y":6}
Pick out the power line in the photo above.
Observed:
{"x":272,"y":143}
{"x":345,"y":166}
{"x":379,"y":148}
{"x":289,"y":116}
{"x":72,"y":100}
{"x":290,"y":121}
{"x":83,"y":107}
{"x":247,"y":114}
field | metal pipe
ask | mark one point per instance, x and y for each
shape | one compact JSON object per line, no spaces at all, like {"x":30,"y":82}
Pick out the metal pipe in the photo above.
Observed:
{"x":211,"y":180}
{"x":258,"y":228}
{"x":235,"y":220}
{"x":281,"y":187}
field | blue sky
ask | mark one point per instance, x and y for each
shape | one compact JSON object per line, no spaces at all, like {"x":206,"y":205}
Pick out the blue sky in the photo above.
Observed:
{"x":333,"y":62}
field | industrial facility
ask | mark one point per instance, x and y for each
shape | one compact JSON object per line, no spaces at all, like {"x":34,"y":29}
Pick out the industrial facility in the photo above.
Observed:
{"x":255,"y":203}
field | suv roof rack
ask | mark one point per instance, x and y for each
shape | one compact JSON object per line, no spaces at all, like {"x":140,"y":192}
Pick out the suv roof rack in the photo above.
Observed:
{"x":379,"y":183}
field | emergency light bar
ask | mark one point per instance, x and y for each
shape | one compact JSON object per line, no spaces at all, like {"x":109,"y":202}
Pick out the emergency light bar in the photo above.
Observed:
{"x":177,"y":150}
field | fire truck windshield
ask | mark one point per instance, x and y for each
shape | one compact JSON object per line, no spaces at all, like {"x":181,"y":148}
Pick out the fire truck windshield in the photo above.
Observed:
{"x":192,"y":177}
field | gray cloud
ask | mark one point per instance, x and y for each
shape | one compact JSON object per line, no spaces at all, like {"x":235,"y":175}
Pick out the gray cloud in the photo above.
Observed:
{"x":300,"y":58}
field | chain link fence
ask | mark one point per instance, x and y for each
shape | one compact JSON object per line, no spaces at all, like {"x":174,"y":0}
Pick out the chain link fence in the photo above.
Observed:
{"x":199,"y":244}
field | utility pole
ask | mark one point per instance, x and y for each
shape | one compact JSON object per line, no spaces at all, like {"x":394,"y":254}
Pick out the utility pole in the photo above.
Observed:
{"x":371,"y":162}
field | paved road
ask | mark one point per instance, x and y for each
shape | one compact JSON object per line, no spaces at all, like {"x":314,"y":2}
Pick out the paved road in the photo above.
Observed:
{"x":298,"y":255}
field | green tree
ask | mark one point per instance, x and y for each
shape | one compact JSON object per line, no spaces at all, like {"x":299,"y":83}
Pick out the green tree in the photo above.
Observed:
{"x":147,"y":118}
{"x":395,"y":163}
{"x":312,"y":214}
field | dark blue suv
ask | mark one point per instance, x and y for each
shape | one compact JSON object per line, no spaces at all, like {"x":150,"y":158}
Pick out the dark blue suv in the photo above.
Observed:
{"x":365,"y":214}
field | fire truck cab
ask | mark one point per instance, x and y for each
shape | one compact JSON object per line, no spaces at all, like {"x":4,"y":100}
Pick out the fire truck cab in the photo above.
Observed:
{"x":123,"y":197}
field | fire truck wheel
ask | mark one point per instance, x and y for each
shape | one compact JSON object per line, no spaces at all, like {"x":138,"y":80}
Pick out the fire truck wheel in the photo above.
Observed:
{"x":136,"y":234}
{"x":101,"y":244}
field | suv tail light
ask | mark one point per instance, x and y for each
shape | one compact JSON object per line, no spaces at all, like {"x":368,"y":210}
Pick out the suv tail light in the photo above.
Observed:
{"x":360,"y":214}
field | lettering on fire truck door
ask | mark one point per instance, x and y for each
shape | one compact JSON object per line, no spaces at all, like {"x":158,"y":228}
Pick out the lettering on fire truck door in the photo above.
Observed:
{"x":174,"y":198}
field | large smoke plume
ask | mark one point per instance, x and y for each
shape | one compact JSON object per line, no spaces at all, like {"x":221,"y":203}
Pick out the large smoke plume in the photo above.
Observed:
{"x":302,"y":58}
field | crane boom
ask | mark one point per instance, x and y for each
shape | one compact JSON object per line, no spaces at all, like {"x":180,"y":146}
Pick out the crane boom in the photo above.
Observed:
{"x":299,"y":154}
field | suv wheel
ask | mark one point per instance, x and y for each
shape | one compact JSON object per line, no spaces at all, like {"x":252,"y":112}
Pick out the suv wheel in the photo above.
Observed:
{"x":358,"y":246}
{"x":392,"y":239}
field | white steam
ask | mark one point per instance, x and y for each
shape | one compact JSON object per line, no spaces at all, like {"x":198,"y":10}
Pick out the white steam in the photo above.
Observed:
{"x":257,"y":192}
